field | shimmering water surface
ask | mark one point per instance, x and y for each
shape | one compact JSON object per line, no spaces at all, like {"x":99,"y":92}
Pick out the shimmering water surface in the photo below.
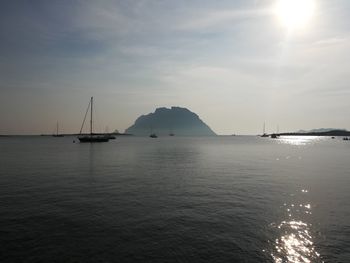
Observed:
{"x":172,"y":199}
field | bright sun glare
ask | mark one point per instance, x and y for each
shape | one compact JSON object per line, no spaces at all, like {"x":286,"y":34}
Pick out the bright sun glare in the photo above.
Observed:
{"x":295,"y":13}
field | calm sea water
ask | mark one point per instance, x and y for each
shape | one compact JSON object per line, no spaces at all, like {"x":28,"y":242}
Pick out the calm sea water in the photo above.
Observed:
{"x":222,"y":199}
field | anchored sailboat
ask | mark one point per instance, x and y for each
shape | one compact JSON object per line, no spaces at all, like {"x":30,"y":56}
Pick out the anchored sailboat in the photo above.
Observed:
{"x":92,"y":137}
{"x":153,"y":135}
{"x":57,"y":134}
{"x":264,"y":133}
{"x":276,"y":135}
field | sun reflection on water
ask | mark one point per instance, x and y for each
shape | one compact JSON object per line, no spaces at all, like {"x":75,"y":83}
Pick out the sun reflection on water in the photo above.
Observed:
{"x":299,"y":140}
{"x":294,"y":243}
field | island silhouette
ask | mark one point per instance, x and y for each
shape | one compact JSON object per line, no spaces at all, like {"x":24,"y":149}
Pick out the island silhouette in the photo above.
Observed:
{"x":174,"y":121}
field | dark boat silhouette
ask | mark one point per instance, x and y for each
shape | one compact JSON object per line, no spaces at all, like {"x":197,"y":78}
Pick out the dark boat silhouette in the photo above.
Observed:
{"x":275,"y":136}
{"x":57,"y":134}
{"x":171,"y":132}
{"x":264,"y":135}
{"x":153,"y":135}
{"x":92,"y":137}
{"x":110,"y":136}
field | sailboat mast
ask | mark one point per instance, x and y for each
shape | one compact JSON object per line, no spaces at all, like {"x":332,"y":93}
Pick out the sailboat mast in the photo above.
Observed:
{"x":57,"y":128}
{"x":91,"y":116}
{"x":264,"y":128}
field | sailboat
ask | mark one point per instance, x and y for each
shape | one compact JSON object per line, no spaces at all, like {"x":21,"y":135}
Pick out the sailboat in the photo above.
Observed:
{"x":153,"y":135}
{"x":109,"y":135}
{"x":92,"y":137}
{"x":264,"y":133}
{"x":57,"y":134}
{"x":276,"y":135}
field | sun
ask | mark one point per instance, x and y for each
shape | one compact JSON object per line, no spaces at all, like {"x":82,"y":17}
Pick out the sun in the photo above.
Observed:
{"x":295,"y":14}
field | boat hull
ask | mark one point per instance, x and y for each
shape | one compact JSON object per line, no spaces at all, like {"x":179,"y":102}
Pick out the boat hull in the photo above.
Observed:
{"x":93,"y":139}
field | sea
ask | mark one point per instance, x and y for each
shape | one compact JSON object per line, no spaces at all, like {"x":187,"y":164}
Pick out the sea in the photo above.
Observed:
{"x":175,"y":199}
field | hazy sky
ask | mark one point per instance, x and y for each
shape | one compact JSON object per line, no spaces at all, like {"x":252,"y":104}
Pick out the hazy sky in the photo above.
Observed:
{"x":232,"y":62}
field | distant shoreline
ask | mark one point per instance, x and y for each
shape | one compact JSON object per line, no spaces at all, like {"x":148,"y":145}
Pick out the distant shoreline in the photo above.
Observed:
{"x":64,"y":135}
{"x":327,"y":133}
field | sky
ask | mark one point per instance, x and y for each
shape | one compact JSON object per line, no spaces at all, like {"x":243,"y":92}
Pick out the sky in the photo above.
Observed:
{"x":234,"y":63}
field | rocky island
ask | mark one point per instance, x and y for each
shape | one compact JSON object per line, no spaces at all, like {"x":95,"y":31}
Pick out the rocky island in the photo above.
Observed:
{"x":176,"y":120}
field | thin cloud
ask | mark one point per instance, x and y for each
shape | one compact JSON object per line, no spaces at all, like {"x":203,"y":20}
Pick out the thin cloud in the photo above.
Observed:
{"x":211,"y":19}
{"x":331,"y":41}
